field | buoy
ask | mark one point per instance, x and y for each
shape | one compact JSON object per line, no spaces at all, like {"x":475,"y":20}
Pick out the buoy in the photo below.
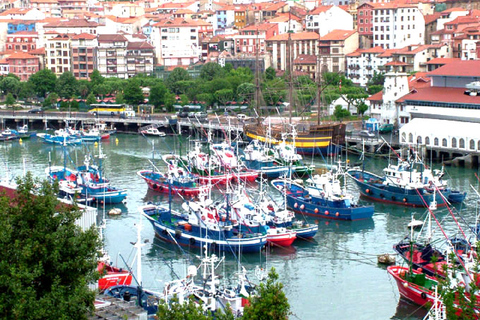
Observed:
{"x":404,"y":199}
{"x":316,"y":210}
{"x":295,"y":205}
{"x":116,"y":141}
{"x":115,"y":211}
{"x":405,"y":284}
{"x":95,"y":144}
{"x":367,"y":191}
{"x":337,"y":214}
{"x":326,"y":212}
{"x":420,"y":270}
{"x":20,"y":141}
{"x":302,"y":207}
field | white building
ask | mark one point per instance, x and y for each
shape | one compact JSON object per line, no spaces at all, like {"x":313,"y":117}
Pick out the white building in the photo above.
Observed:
{"x":111,"y":55}
{"x":176,"y":42}
{"x":363,"y":64}
{"x":397,"y":25}
{"x":57,"y":54}
{"x":325,"y":19}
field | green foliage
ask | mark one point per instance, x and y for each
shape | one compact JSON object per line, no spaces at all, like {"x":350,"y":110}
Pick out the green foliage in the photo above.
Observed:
{"x":207,"y":98}
{"x":210,"y":71}
{"x":47,"y":261}
{"x":178,"y":74}
{"x":245,"y":92}
{"x":228,"y":68}
{"x":270,"y":303}
{"x":270,"y":73}
{"x":119,"y":98}
{"x":96,"y":78}
{"x":83,"y":88}
{"x":189,"y":310}
{"x":66,"y":85}
{"x":378,"y":79}
{"x":362,"y":108}
{"x":333,"y":79}
{"x":133,"y":94}
{"x":340,"y":113}
{"x":102,"y":89}
{"x":184,"y":100}
{"x":91,"y":99}
{"x":26,"y":91}
{"x":169,"y":101}
{"x":374,"y":88}
{"x":10,"y":100}
{"x":51,"y":100}
{"x":223,"y":96}
{"x":74,"y":105}
{"x":43,"y":82}
{"x":10,"y":85}
{"x":157,"y":95}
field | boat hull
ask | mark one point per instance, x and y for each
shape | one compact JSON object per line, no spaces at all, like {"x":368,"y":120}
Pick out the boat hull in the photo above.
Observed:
{"x":158,"y":183}
{"x":319,"y":207}
{"x":215,"y":240}
{"x":410,"y":291}
{"x":371,"y":187}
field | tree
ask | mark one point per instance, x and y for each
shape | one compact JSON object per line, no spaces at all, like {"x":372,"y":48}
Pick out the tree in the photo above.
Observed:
{"x":340,"y":113}
{"x":133,"y":94}
{"x":10,"y":85}
{"x":190,"y":310}
{"x":52,"y":99}
{"x":178,"y":74}
{"x":91,"y":99}
{"x":10,"y":101}
{"x":169,"y":101}
{"x":26,"y":91}
{"x":47,"y":260}
{"x":362,"y":108}
{"x":43,"y":82}
{"x":157,"y":95}
{"x":184,"y":100}
{"x":377,"y":79}
{"x":270,"y":302}
{"x":96,"y":78}
{"x":270,"y":73}
{"x":374,"y":88}
{"x":223,"y":96}
{"x":66,"y":85}
{"x":119,"y":98}
{"x":210,"y":71}
{"x":245,"y":92}
{"x":82,"y":88}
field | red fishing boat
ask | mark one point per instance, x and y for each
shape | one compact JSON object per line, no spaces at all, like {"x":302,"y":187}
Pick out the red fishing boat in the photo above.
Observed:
{"x":112,"y":276}
{"x":281,"y":236}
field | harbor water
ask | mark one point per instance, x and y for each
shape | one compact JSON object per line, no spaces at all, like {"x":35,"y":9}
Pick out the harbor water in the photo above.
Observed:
{"x":335,"y":276}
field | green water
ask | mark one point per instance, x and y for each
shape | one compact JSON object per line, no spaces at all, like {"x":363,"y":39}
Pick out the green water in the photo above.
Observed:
{"x":336,"y":276}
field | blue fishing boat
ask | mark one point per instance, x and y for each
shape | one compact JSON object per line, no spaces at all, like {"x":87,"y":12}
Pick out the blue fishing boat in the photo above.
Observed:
{"x":90,"y":179}
{"x":318,"y":203}
{"x":200,"y":224}
{"x":408,"y":183}
{"x":256,"y":158}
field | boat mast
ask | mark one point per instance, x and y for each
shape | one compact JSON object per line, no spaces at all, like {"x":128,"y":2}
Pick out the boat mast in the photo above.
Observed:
{"x":290,"y":68}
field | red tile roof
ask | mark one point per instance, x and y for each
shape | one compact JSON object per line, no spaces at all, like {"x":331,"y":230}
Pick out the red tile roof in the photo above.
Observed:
{"x":296,"y":36}
{"x":140,"y":46}
{"x":397,"y":63}
{"x":320,"y":9}
{"x":442,"y":60}
{"x":419,"y":80}
{"x":21,"y":55}
{"x":441,"y":94}
{"x":111,"y":38}
{"x":305,"y":59}
{"x":338,"y":35}
{"x":72,"y":23}
{"x":429,"y":18}
{"x":262,"y":27}
{"x":376,"y":97}
{"x":86,"y":36}
{"x":461,"y":68}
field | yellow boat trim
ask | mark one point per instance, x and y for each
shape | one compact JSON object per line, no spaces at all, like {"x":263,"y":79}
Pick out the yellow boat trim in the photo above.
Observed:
{"x":322,"y":142}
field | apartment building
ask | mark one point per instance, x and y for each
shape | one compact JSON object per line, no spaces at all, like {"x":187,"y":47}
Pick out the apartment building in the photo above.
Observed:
{"x":325,"y":19}
{"x":301,"y":43}
{"x":57,"y":51}
{"x":334,"y":47}
{"x":111,"y":54}
{"x":397,"y":25}
{"x":140,"y":58}
{"x":84,"y":55}
{"x":21,"y":41}
{"x":23,"y":65}
{"x":251,"y":37}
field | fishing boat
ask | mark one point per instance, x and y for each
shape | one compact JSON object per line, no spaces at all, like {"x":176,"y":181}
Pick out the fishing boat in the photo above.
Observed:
{"x":206,"y":166}
{"x":199,"y":225}
{"x":314,"y":201}
{"x":24,"y":133}
{"x":61,"y":137}
{"x":230,"y":162}
{"x":408,"y":183}
{"x":152,"y":131}
{"x":8,"y":135}
{"x":94,"y":135}
{"x":243,"y":210}
{"x":256,"y":158}
{"x":286,"y":155}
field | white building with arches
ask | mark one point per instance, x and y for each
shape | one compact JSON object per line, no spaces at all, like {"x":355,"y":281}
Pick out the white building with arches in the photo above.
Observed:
{"x":450,"y":136}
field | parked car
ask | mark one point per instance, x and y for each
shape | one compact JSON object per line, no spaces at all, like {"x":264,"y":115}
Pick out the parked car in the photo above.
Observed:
{"x":35,"y":110}
{"x":366,"y":134}
{"x":386,"y":128}
{"x":201,"y":114}
{"x":242,"y":116}
{"x":183,"y":114}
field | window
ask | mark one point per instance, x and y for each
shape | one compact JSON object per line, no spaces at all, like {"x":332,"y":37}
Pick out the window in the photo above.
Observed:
{"x":361,"y":29}
{"x":472,"y":144}
{"x":454,"y":142}
{"x":427,"y":141}
{"x":435,"y":142}
{"x":419,"y":140}
{"x":361,"y":20}
{"x":410,"y":138}
{"x":462,"y":143}
{"x":444,"y":142}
